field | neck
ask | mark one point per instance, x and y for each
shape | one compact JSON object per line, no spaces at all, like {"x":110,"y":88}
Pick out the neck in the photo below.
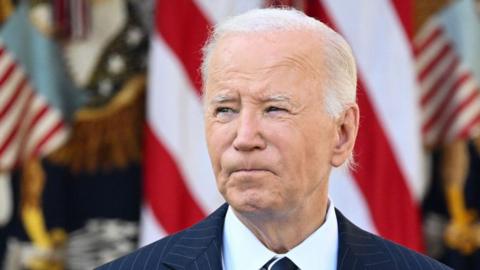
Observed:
{"x":282,"y":233}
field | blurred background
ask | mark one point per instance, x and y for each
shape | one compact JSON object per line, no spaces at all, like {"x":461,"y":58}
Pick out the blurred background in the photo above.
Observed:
{"x":101,"y":134}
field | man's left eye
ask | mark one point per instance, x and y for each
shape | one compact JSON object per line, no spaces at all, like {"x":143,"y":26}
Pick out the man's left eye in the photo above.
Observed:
{"x":275,"y":109}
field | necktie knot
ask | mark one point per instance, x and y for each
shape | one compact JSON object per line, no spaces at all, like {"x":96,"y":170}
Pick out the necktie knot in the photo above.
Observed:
{"x":283,"y":263}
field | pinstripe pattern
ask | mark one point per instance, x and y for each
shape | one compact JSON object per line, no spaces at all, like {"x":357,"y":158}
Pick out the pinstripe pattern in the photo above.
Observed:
{"x":199,"y":248}
{"x":359,"y":249}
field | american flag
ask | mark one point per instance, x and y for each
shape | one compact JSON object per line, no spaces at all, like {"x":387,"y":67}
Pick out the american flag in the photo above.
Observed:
{"x":29,"y":126}
{"x":382,"y":195}
{"x":449,"y":93}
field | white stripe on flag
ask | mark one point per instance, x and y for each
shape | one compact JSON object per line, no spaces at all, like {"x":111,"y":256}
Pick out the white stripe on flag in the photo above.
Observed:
{"x":426,"y":56}
{"x":150,"y":229}
{"x":7,"y":160}
{"x":387,"y":69}
{"x":345,"y":193}
{"x":426,"y":31}
{"x":462,"y":93}
{"x":13,"y":116}
{"x":441,"y":92}
{"x":468,"y":114}
{"x":5,"y":61}
{"x":438,"y":73}
{"x":56,"y":140}
{"x":45,"y":124}
{"x":219,"y":10}
{"x":9,"y":86}
{"x":176,"y":116}
{"x":10,"y":155}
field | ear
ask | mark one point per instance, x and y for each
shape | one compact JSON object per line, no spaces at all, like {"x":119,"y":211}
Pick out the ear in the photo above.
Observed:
{"x":346,"y":134}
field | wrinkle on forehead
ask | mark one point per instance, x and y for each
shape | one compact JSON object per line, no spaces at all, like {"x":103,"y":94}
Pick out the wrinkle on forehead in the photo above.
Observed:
{"x":253,"y":58}
{"x":299,"y":45}
{"x":298,"y":61}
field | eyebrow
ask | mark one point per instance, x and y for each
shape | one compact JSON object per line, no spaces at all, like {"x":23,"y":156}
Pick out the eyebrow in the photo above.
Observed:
{"x":222,"y":98}
{"x":277,"y":98}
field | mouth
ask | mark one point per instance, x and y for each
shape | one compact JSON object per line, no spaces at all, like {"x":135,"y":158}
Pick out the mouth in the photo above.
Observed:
{"x":250,"y":171}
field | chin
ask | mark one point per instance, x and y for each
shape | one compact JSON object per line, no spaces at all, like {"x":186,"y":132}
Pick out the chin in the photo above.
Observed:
{"x":252,"y":203}
{"x":245,"y":200}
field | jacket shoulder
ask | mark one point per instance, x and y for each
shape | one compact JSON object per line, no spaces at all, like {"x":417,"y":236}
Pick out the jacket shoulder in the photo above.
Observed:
{"x":360,"y":249}
{"x":405,"y":257}
{"x":147,"y":257}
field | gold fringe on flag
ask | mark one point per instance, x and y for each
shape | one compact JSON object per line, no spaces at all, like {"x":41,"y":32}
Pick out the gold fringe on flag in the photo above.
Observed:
{"x":108,"y":137}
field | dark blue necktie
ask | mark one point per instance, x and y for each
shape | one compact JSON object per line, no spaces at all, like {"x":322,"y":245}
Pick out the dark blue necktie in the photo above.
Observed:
{"x":282,"y":264}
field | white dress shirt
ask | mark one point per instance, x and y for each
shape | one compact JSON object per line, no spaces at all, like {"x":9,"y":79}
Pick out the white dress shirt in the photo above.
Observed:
{"x":242,"y":250}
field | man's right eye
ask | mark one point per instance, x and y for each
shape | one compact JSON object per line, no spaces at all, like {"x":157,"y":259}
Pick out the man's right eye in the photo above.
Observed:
{"x":223,"y":110}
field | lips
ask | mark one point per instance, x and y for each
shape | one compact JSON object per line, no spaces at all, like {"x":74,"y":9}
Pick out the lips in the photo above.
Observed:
{"x":250,"y":171}
{"x":247,"y":166}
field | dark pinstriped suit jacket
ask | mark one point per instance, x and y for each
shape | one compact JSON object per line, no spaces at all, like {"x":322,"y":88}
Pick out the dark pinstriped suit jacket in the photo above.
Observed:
{"x":199,"y":247}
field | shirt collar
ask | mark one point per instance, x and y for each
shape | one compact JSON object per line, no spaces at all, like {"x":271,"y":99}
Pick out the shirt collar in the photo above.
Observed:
{"x":242,"y":250}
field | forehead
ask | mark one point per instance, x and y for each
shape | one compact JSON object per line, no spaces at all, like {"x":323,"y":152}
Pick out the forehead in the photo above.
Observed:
{"x":263,"y":52}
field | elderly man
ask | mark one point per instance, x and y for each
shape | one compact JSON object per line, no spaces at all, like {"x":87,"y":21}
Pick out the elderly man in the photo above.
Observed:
{"x":280,"y":113}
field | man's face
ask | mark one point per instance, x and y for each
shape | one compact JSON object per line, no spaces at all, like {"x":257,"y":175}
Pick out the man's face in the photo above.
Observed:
{"x":268,"y":135}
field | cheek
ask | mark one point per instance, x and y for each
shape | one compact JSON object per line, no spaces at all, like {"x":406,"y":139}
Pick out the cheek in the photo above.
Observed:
{"x":319,"y":151}
{"x":286,"y":151}
{"x":304,"y":149}
{"x":218,"y":142}
{"x":214,"y":152}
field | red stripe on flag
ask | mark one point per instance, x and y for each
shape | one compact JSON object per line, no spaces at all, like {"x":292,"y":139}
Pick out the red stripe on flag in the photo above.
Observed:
{"x":7,"y":73}
{"x":13,"y":98}
{"x":440,"y":110}
{"x":31,"y":122}
{"x":165,"y":190}
{"x":18,"y":121}
{"x":185,"y":30}
{"x":404,"y":9}
{"x":316,"y":10}
{"x":393,"y":208}
{"x":394,"y":211}
{"x":467,"y":130}
{"x":40,"y":113}
{"x":418,"y":49}
{"x":458,"y":110}
{"x":441,"y":80}
{"x":56,"y":128}
{"x":446,"y":49}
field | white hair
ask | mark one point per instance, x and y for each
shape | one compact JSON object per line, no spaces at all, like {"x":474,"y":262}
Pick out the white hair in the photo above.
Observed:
{"x":339,"y":65}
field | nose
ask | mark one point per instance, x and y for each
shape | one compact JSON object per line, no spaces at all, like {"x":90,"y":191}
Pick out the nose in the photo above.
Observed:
{"x":249,"y":136}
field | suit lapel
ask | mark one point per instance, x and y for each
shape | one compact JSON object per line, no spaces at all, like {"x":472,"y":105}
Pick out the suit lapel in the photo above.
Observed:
{"x":358,"y":249}
{"x":347,"y":258}
{"x":200,"y":246}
